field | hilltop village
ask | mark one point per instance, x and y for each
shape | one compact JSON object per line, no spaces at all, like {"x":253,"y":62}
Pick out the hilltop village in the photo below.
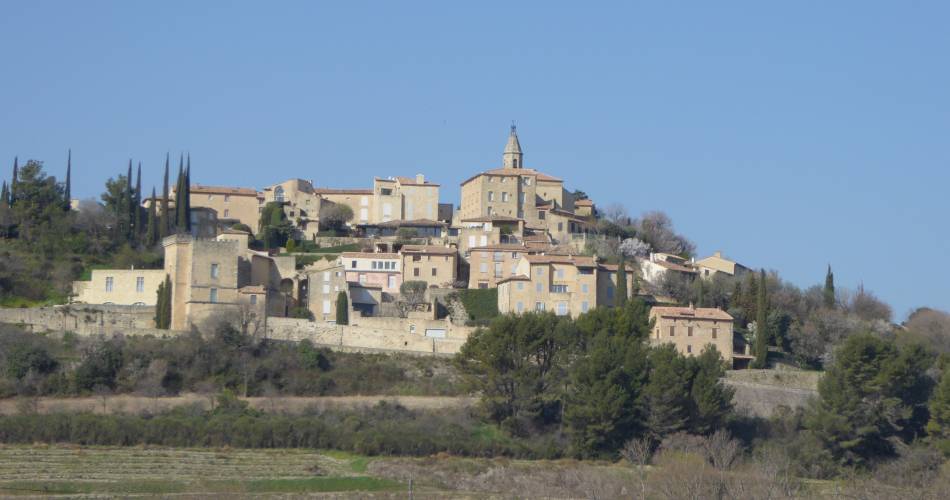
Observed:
{"x":390,"y":249}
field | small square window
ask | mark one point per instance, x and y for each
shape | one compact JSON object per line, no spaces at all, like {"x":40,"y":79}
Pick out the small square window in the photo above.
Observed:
{"x":214,"y":271}
{"x":213,"y":296}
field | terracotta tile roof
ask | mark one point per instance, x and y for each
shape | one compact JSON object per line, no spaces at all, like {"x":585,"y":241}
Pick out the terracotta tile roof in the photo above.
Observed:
{"x":583,"y":203}
{"x":614,"y":267}
{"x":575,"y":260}
{"x":252,"y":289}
{"x":409,"y":181}
{"x":429,"y":249}
{"x":369,"y":255}
{"x":515,"y":172}
{"x":236,"y":191}
{"x":493,"y":218}
{"x":505,"y":247}
{"x":519,"y":277}
{"x":535,"y":237}
{"x":692,"y":312}
{"x":342,"y":191}
{"x":675,"y":267}
{"x":408,"y":223}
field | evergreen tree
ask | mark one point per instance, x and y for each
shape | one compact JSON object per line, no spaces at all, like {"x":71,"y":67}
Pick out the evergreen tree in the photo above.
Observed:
{"x":163,"y":306}
{"x":137,"y":205}
{"x":666,"y":394}
{"x":342,"y":309}
{"x":187,"y":200}
{"x":13,"y":181}
{"x":621,"y":283}
{"x":829,"y":291}
{"x":5,"y":195}
{"x":750,"y":297}
{"x":68,"y":189}
{"x":712,"y":400}
{"x":761,"y":325}
{"x":151,"y":228}
{"x":181,"y":214}
{"x":130,"y":205}
{"x":164,"y":225}
{"x":939,"y":425}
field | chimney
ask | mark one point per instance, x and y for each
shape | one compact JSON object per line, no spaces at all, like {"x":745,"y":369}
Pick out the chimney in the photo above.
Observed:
{"x":420,"y":179}
{"x":718,"y":254}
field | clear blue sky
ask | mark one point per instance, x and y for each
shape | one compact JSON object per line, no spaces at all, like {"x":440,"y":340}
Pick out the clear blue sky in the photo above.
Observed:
{"x":789,"y":136}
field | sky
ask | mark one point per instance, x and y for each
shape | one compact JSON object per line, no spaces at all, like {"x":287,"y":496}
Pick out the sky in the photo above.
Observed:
{"x":789,"y":135}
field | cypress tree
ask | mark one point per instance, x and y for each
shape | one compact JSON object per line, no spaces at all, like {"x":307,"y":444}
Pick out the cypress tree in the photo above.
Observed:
{"x":181,"y":216}
{"x":164,"y":226}
{"x":16,"y":172}
{"x":163,"y":306}
{"x":5,"y":195}
{"x":621,"y":283}
{"x":761,"y":325}
{"x":68,"y":189}
{"x":130,"y":204}
{"x":151,"y":228}
{"x":188,"y":193}
{"x":342,"y":309}
{"x":137,"y":204}
{"x":829,"y":292}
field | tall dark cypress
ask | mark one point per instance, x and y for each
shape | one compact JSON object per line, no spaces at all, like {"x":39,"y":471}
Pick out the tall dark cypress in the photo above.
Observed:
{"x":188,"y":193}
{"x":164,"y":225}
{"x":129,"y":205}
{"x":151,"y":227}
{"x":181,"y":214}
{"x":68,"y":188}
{"x":829,"y":291}
{"x":621,"y":283}
{"x":761,"y":325}
{"x":137,"y":205}
{"x":5,"y":195}
{"x":16,"y":172}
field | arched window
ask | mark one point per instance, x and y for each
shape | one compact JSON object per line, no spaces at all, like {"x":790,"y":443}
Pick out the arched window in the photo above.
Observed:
{"x":279,"y":194}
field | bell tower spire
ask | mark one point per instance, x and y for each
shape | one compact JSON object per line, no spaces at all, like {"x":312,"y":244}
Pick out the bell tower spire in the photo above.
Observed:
{"x":513,"y":158}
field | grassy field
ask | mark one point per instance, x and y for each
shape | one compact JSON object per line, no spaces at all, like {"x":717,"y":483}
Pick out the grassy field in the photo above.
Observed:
{"x":71,"y":470}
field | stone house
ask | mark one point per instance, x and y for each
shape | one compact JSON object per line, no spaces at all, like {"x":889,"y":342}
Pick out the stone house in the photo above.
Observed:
{"x":325,"y":280}
{"x":382,"y":270}
{"x":716,"y":263}
{"x":563,"y":284}
{"x":136,"y":287}
{"x":232,"y":204}
{"x":654,"y":267}
{"x":491,"y":263}
{"x":691,"y":329}
{"x":436,"y":265}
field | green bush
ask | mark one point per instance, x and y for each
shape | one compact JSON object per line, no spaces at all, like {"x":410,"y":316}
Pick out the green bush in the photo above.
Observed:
{"x":481,"y":304}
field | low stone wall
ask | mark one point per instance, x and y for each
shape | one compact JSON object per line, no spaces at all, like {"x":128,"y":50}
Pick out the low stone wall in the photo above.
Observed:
{"x":762,"y":392}
{"x":84,"y":319}
{"x":336,"y":241}
{"x":372,"y":334}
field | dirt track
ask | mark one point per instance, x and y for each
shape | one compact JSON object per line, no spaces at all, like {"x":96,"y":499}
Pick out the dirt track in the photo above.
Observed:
{"x":136,"y":404}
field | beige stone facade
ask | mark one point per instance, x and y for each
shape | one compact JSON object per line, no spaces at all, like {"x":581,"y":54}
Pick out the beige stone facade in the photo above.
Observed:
{"x":657,"y":265}
{"x":607,"y":283}
{"x":490,"y":264}
{"x":565,"y":285}
{"x":691,"y":329}
{"x":435,"y":265}
{"x":381,"y":270}
{"x":119,"y":287}
{"x":230,"y":203}
{"x":325,"y":280}
{"x":301,"y":204}
{"x":716,"y":263}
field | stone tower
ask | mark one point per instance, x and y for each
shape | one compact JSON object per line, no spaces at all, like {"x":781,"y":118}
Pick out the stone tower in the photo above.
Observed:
{"x":513,"y":158}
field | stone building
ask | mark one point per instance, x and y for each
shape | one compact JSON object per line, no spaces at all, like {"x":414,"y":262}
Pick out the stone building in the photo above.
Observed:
{"x":657,"y":265}
{"x":512,"y":190}
{"x":382,"y":270}
{"x":691,"y":329}
{"x":301,"y":204}
{"x":136,"y":287}
{"x":490,"y":264}
{"x":232,"y":204}
{"x":716,"y":264}
{"x":436,"y":265}
{"x":325,"y":280}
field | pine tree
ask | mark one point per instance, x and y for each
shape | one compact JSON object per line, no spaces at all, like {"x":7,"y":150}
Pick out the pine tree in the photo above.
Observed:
{"x":761,"y":325}
{"x":829,"y":291}
{"x":621,"y":283}
{"x":151,"y":228}
{"x":164,"y":225}
{"x":137,"y":205}
{"x":13,"y":181}
{"x":939,"y":425}
{"x":712,"y":400}
{"x":666,"y":393}
{"x":68,"y":188}
{"x":342,"y":309}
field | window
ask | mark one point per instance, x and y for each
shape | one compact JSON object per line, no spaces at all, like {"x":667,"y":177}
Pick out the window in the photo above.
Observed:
{"x":672,"y":331}
{"x":471,"y":241}
{"x":253,"y":300}
{"x":610,"y":292}
{"x":214,"y":271}
{"x":540,"y":271}
{"x":326,"y":307}
{"x":109,"y":283}
{"x":415,"y":272}
{"x":364,"y":214}
{"x":374,"y":264}
{"x":497,"y":256}
{"x":483,"y":267}
{"x":353,"y":264}
{"x":364,"y":201}
{"x":416,"y":258}
{"x":482,"y":285}
{"x":560,"y":274}
{"x":504,"y":179}
{"x":498,"y":271}
{"x":514,"y":255}
{"x":279,"y":194}
{"x":326,"y":275}
{"x":524,"y":197}
{"x":504,"y":197}
{"x":560,"y":226}
{"x":541,"y":214}
{"x":585,"y":306}
{"x":519,"y":307}
{"x":227,"y":198}
{"x":562,"y":308}
{"x":539,"y":306}
{"x":140,"y":284}
{"x":210,"y":197}
{"x":213,"y":296}
{"x":326,"y":288}
{"x":585,"y":288}
{"x":521,"y":285}
{"x":491,"y":196}
{"x":714,"y":332}
{"x":527,"y":181}
{"x":689,"y":331}
{"x":362,"y":279}
{"x":514,"y":269}
{"x":558,"y":288}
{"x":539,"y":287}
{"x":484,"y":240}
{"x":433,"y":271}
{"x":689,"y":348}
